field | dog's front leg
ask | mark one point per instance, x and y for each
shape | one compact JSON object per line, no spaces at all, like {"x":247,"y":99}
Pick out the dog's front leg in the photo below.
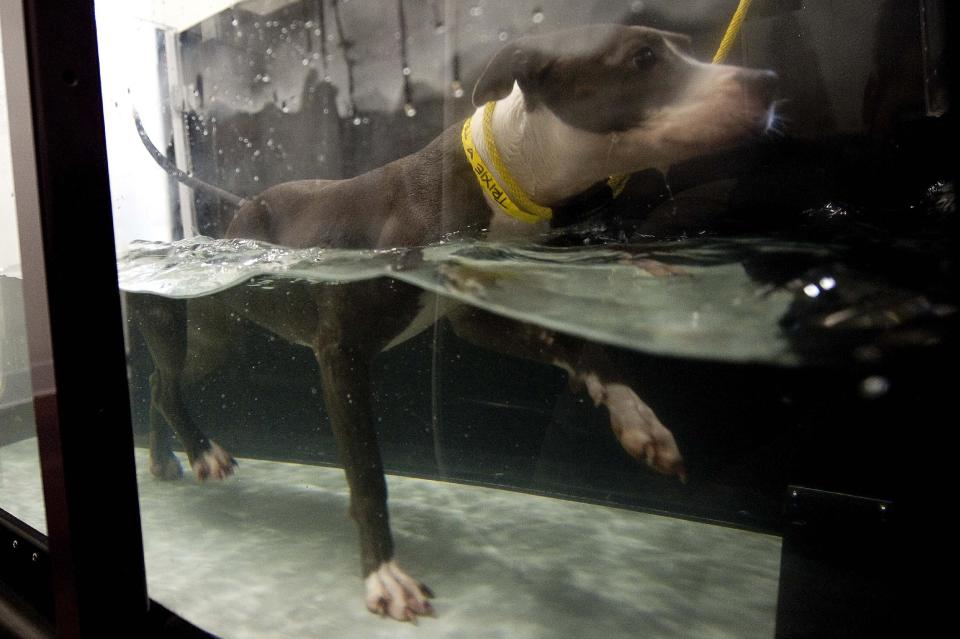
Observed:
{"x":634,"y":423}
{"x":636,"y":426}
{"x":346,"y":392}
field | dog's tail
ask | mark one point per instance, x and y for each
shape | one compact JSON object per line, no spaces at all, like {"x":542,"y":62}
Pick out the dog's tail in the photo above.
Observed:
{"x":181,"y":176}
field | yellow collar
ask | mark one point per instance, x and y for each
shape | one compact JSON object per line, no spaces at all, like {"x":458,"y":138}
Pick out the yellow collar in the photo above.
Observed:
{"x":520,"y":206}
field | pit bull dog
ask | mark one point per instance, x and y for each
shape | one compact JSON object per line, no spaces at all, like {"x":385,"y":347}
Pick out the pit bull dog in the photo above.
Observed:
{"x":557,"y":116}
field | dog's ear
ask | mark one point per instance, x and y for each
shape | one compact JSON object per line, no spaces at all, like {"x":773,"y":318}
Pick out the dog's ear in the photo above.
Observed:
{"x":515,"y":62}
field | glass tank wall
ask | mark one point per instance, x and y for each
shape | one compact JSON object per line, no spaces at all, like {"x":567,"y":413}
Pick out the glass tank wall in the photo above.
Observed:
{"x":608,"y":301}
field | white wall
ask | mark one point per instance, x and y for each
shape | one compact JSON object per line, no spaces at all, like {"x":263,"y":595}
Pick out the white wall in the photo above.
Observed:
{"x":130,"y":77}
{"x":129,"y":73}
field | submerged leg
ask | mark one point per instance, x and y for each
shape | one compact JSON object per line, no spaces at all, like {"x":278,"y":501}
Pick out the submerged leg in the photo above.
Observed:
{"x":163,"y":324}
{"x":346,"y":392}
{"x":163,"y":463}
{"x":633,"y":422}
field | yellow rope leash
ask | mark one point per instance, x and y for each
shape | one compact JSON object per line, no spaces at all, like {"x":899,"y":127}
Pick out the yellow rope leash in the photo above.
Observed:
{"x":733,"y":30}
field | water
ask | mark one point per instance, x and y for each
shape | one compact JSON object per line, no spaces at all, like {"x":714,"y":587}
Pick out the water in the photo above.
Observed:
{"x":759,"y":299}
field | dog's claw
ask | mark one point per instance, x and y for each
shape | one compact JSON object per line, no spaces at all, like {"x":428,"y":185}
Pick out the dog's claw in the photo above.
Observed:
{"x":390,"y":591}
{"x":214,"y":463}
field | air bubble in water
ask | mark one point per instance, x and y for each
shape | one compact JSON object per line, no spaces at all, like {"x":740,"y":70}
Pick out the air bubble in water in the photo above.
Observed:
{"x":409,"y":110}
{"x":874,"y":386}
{"x":537,"y":16}
{"x":637,"y":6}
{"x":476,"y":11}
{"x":502,"y":36}
{"x":406,"y":70}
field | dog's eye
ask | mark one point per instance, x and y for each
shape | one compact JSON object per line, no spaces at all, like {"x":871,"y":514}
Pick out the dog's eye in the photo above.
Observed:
{"x":645,"y":58}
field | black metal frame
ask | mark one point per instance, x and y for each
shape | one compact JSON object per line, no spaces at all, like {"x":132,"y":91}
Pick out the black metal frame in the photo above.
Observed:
{"x":84,"y":430}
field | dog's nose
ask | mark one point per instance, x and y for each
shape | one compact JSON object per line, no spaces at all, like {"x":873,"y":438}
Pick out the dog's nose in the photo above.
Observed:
{"x":762,"y":82}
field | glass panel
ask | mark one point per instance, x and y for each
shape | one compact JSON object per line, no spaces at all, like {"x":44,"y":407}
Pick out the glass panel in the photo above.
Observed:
{"x":20,"y":490}
{"x":609,"y":304}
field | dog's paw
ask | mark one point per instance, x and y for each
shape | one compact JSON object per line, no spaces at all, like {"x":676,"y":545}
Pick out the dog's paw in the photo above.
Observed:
{"x":213,"y":463}
{"x":391,"y":591}
{"x":166,"y":469}
{"x":640,"y":432}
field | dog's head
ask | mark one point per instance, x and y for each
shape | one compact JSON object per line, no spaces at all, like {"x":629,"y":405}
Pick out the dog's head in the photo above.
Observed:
{"x":648,"y":103}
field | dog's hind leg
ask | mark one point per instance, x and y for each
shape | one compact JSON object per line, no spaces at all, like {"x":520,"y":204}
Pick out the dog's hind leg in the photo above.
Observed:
{"x":163,"y":463}
{"x":634,"y":423}
{"x":163,"y":324}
